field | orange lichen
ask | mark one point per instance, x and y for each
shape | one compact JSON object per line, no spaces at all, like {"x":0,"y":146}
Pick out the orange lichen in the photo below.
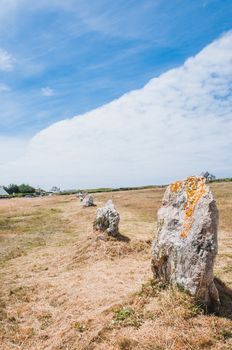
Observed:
{"x":176,"y":186}
{"x":194,"y":188}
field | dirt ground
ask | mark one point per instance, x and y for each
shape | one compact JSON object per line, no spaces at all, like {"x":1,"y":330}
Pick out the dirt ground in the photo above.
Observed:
{"x":62,"y":288}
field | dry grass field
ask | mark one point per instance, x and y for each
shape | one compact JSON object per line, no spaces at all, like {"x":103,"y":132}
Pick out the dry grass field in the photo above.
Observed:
{"x":62,"y":288}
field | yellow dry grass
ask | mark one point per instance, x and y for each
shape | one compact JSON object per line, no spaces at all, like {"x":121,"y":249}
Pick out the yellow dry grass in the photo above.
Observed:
{"x":61,"y":288}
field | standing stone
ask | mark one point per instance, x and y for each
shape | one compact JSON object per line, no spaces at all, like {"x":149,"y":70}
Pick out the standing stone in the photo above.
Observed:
{"x":91,"y":201}
{"x":88,"y":201}
{"x":184,"y":250}
{"x":107,"y":219}
{"x":85,"y":202}
{"x":82,"y":196}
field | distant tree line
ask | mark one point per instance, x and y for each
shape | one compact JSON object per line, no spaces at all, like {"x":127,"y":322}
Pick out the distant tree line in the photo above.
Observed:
{"x":225,"y":179}
{"x":19,"y":189}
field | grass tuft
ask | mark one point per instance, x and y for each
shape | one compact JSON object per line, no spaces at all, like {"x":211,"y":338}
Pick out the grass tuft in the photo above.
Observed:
{"x":127,"y":316}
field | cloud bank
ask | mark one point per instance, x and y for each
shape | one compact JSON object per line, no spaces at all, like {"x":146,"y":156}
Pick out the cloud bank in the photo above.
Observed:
{"x":177,"y":125}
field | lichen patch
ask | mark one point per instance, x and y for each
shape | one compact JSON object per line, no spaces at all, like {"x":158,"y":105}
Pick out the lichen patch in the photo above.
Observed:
{"x":176,"y":186}
{"x":194,"y":188}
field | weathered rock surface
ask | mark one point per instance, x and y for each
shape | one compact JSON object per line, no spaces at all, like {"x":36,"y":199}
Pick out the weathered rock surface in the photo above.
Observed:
{"x":107,"y":219}
{"x":88,"y":201}
{"x":186,"y":244}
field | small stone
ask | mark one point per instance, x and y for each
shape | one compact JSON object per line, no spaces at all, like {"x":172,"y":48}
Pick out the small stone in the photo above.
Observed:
{"x":185,"y":248}
{"x":88,"y":201}
{"x":107,"y":219}
{"x":91,"y":201}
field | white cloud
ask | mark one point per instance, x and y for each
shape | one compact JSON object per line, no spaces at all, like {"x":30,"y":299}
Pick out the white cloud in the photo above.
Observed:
{"x":47,"y":91}
{"x":11,"y":149}
{"x":6,"y":61}
{"x":177,"y":125}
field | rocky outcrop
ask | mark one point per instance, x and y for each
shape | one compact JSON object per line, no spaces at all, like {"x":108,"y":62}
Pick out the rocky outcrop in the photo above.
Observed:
{"x":184,"y":250}
{"x":107,"y":219}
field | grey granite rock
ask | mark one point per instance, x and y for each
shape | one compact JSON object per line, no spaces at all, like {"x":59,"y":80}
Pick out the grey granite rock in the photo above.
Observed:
{"x":185,"y":248}
{"x":107,"y":219}
{"x":88,"y":201}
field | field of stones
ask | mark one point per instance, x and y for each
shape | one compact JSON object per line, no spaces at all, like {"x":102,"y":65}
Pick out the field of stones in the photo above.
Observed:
{"x":65,"y":287}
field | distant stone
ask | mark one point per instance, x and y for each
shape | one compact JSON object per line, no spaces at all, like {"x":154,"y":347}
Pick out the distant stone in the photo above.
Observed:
{"x":88,"y":201}
{"x":79,"y":194}
{"x":107,"y":219}
{"x":82,"y":196}
{"x":185,"y":248}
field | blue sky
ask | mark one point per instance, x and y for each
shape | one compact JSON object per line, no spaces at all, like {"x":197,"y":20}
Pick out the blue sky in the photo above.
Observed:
{"x":114,"y":93}
{"x":64,"y":58}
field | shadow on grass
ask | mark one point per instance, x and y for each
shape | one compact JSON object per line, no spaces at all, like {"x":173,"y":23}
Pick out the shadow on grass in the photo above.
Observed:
{"x":122,"y":238}
{"x":104,"y":236}
{"x":225,"y":295}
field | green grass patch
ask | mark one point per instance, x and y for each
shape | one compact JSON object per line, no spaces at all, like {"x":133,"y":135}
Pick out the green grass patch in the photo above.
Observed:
{"x":127,"y":316}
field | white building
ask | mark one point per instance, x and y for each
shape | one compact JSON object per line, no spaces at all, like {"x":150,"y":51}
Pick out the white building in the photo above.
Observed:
{"x":55,"y":189}
{"x":3,"y":193}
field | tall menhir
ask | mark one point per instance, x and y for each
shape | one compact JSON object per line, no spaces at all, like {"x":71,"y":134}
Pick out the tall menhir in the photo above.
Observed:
{"x":185,"y":248}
